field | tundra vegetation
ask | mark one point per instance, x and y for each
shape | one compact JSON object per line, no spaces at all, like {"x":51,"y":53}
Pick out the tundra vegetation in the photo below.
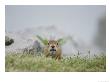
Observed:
{"x":25,"y":62}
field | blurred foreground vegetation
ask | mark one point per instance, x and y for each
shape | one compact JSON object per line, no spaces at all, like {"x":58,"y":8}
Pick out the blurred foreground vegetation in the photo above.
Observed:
{"x":34,"y":63}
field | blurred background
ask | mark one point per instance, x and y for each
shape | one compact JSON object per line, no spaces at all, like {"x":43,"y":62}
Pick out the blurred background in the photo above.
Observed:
{"x":83,"y":26}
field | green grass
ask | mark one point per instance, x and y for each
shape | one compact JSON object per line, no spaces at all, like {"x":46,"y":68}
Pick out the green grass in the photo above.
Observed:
{"x":32,"y":63}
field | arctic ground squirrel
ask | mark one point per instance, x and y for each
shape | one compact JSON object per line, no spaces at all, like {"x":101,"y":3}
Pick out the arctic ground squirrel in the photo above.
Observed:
{"x":53,"y":49}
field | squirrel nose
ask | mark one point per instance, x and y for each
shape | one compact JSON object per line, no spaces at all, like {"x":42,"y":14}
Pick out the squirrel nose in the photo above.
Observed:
{"x":52,"y":46}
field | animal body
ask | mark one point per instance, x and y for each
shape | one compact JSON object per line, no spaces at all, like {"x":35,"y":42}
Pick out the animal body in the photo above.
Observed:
{"x":53,"y":49}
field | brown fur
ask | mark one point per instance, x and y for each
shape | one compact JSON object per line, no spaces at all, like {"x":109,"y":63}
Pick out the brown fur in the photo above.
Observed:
{"x":57,"y":50}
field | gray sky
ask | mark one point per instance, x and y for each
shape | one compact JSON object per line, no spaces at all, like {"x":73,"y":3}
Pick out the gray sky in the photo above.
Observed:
{"x":80,"y":21}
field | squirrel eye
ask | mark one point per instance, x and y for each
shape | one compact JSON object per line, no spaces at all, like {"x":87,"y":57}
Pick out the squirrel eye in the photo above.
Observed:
{"x":48,"y":43}
{"x":57,"y":43}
